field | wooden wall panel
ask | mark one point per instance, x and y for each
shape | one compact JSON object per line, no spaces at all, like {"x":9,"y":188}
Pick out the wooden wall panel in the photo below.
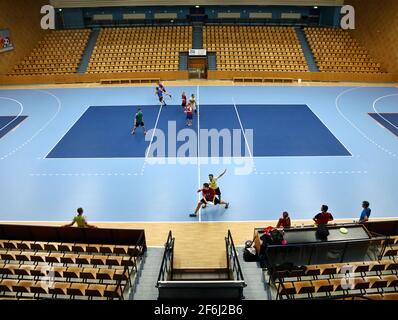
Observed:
{"x":92,"y":78}
{"x":212,"y":75}
{"x":22,"y":17}
{"x":310,"y":76}
{"x":377,"y":29}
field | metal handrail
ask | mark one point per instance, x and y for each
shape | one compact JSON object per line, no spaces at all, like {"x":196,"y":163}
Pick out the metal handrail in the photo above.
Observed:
{"x":232,"y":255}
{"x":168,"y":256}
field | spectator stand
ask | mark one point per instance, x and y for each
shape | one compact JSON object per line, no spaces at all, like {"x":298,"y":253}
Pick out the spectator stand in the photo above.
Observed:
{"x":38,"y":262}
{"x":358,"y":264}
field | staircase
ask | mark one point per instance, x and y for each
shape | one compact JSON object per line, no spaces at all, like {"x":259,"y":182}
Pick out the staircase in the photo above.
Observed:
{"x":201,"y":274}
{"x":211,"y":61}
{"x":183,"y":61}
{"x":88,"y":51}
{"x":257,"y":288}
{"x":197,"y":36}
{"x":307,"y":50}
{"x":145,"y":288}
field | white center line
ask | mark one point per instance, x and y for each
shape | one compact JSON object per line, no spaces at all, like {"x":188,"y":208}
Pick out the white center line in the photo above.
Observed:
{"x":241,"y":126}
{"x":150,"y":142}
{"x":198,"y":155}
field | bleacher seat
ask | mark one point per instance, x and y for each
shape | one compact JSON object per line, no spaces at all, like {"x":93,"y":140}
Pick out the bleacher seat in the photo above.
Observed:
{"x":59,"y":52}
{"x":368,"y":278}
{"x":40,"y":269}
{"x":255,"y":48}
{"x":140,"y":49}
{"x":335,"y":50}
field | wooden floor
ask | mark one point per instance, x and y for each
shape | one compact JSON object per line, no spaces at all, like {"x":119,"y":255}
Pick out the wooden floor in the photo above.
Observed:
{"x":197,"y":245}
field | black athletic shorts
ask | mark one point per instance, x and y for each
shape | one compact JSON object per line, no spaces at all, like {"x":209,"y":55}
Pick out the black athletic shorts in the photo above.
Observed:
{"x":218,"y":192}
{"x":139,"y":124}
{"x":216,"y":201}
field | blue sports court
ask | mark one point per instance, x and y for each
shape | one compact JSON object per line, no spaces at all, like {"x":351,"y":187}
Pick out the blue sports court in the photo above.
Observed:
{"x":310,"y":145}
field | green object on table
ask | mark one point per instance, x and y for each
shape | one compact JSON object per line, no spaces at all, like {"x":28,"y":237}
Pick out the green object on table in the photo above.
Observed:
{"x":343,"y":230}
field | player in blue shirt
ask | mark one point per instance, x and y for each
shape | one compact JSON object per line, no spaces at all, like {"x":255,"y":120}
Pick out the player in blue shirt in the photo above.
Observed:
{"x":163,"y":89}
{"x":159,"y":93}
{"x":365,"y":214}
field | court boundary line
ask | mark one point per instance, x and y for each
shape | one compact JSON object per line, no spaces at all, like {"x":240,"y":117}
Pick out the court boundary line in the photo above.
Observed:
{"x":176,"y":158}
{"x":379,"y":114}
{"x":275,"y":172}
{"x":198,"y":147}
{"x":42,"y":128}
{"x":232,"y":158}
{"x":380,"y":124}
{"x":392,"y":154}
{"x":17,"y":116}
{"x":14,"y":128}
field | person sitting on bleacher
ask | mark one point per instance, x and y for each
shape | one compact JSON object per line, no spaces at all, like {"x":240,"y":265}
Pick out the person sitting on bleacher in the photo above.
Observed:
{"x":365,"y":214}
{"x":284,"y":221}
{"x":324,"y":216}
{"x":80,"y":220}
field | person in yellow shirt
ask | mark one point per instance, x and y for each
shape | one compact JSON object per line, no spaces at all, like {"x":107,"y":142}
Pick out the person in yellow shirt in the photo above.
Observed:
{"x":80,"y":220}
{"x":213,"y":182}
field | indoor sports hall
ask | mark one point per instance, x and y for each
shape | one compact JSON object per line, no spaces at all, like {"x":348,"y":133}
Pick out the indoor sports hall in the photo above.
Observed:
{"x":291,"y":107}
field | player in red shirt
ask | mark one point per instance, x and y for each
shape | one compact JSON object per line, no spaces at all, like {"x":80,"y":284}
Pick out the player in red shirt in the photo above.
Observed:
{"x":188,"y":111}
{"x":284,"y":221}
{"x":209,"y":195}
{"x":184,"y":100}
{"x":324,"y":216}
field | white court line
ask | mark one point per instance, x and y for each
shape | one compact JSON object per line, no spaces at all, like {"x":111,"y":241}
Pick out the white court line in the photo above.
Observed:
{"x":16,"y":117}
{"x":374,"y":108}
{"x":198,"y":158}
{"x":356,"y":127}
{"x":241,"y":126}
{"x":129,"y":174}
{"x":327,"y":172}
{"x":41,"y":129}
{"x":150,"y":143}
{"x":210,"y":159}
